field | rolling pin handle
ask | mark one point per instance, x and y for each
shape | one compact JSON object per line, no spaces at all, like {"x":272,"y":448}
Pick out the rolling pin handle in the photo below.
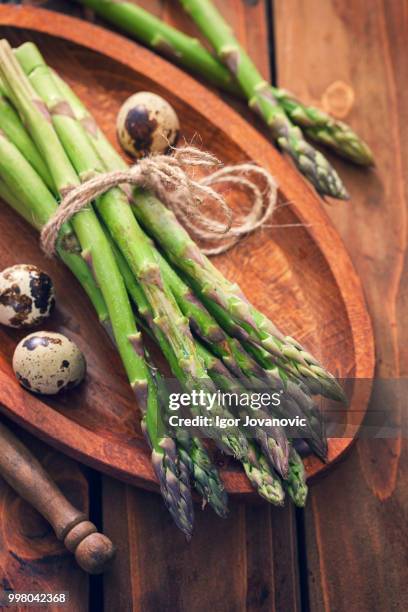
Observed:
{"x":27,"y":477}
{"x":93,"y":550}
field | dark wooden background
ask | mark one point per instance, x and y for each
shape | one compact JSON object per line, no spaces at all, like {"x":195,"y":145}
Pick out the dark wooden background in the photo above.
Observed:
{"x":348,"y":549}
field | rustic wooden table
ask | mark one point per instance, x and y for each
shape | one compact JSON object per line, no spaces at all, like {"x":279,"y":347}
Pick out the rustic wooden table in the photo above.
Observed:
{"x":347,"y":550}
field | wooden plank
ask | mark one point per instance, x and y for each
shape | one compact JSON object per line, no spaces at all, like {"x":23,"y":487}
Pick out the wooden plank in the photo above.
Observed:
{"x":356,"y":66}
{"x":230,"y":565}
{"x":249,"y":561}
{"x":159,"y":570}
{"x":31,"y":557}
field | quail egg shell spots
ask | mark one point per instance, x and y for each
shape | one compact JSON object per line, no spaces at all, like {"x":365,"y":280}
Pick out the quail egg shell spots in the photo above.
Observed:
{"x":47,"y":362}
{"x":147,"y":124}
{"x":26,"y":296}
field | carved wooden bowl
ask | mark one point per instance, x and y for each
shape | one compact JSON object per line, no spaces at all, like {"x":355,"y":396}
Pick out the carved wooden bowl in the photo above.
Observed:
{"x":300,"y":276}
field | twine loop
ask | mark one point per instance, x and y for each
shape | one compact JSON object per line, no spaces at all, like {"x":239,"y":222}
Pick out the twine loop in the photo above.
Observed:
{"x":171,"y":179}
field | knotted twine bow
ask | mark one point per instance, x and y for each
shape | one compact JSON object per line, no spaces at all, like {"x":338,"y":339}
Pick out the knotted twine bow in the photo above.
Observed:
{"x":166,"y":177}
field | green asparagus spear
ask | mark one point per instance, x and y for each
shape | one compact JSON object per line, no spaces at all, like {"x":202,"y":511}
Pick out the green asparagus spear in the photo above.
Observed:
{"x":260,"y":98}
{"x":190,"y":53}
{"x":295,"y":484}
{"x":15,"y":132}
{"x":171,"y":468}
{"x":262,"y":477}
{"x":324,"y":129}
{"x":205,"y":475}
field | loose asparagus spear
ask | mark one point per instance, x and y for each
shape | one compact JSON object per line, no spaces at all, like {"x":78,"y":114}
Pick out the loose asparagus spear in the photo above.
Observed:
{"x":25,"y":192}
{"x":190,"y":53}
{"x":319,"y":126}
{"x":163,"y":38}
{"x":222,"y":297}
{"x":260,"y":97}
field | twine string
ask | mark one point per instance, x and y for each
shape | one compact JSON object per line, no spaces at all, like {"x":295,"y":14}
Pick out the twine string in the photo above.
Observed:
{"x":170,"y":179}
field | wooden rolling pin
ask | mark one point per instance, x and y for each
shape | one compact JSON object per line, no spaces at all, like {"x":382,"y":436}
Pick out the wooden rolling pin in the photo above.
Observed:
{"x":26,"y":476}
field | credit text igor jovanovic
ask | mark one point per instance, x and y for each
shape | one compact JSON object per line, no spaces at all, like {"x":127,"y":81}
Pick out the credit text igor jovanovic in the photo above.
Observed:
{"x":196,"y":402}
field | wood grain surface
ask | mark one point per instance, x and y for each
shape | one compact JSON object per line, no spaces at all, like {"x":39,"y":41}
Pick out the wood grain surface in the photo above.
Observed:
{"x":246,"y":562}
{"x":350,"y":545}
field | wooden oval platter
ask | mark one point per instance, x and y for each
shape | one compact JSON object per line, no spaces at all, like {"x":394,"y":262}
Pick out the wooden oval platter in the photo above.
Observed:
{"x":301,"y":276}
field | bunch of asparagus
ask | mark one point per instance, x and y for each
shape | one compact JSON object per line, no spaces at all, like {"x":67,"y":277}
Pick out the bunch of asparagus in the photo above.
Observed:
{"x":140,"y":255}
{"x":288,"y":119}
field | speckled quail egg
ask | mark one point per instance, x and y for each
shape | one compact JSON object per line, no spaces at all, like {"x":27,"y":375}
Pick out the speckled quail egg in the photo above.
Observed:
{"x":26,"y":296}
{"x":47,"y":362}
{"x":147,"y":124}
